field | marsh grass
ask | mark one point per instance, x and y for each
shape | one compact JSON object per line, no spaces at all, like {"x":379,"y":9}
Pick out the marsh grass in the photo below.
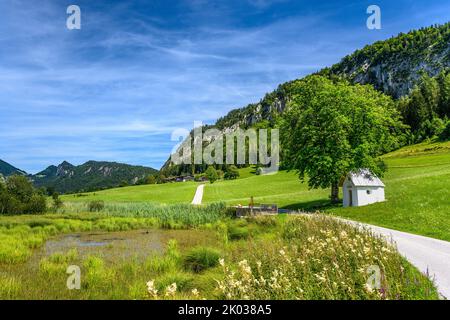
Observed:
{"x":307,"y":257}
{"x":201,"y":258}
{"x":168,"y":216}
{"x":9,"y":287}
{"x":19,"y":235}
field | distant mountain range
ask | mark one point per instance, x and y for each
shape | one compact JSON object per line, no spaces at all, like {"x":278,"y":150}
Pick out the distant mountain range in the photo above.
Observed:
{"x":7,"y":170}
{"x":90,"y":176}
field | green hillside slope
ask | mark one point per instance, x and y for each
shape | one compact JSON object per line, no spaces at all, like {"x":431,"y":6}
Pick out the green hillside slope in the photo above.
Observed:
{"x":181,"y":192}
{"x":417,"y":192}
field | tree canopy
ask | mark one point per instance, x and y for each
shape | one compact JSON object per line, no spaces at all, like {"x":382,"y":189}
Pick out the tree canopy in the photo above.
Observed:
{"x":332,"y":128}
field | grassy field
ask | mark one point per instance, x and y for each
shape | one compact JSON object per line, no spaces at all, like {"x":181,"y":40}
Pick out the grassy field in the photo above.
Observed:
{"x":157,"y":193}
{"x":417,"y":191}
{"x":282,"y":188}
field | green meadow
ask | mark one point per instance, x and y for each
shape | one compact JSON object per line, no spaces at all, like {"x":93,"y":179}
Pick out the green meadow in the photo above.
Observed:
{"x":417,"y":192}
{"x":168,"y":193}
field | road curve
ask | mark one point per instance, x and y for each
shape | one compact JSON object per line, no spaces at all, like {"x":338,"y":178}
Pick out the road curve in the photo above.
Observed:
{"x":198,"y":195}
{"x":429,"y":255}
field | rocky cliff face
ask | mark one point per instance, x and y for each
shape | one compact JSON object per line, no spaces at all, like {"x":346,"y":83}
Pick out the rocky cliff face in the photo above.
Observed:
{"x":397,"y":72}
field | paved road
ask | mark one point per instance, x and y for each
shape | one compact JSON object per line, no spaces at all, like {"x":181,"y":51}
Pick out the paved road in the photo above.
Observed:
{"x":198,"y":195}
{"x":427,"y":254}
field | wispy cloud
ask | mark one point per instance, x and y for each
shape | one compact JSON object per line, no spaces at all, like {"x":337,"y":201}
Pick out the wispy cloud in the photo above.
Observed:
{"x":115,"y":89}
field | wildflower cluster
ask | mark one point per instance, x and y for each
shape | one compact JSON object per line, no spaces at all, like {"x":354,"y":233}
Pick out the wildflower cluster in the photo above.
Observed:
{"x":317,"y":258}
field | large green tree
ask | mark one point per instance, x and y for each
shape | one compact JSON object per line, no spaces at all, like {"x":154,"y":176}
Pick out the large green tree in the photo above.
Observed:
{"x":331,"y":128}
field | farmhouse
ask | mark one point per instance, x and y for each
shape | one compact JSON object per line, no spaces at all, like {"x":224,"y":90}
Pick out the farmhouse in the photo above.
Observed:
{"x":361,"y":188}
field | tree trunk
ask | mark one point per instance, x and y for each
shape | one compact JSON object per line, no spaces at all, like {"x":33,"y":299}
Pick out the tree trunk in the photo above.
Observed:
{"x":335,"y":192}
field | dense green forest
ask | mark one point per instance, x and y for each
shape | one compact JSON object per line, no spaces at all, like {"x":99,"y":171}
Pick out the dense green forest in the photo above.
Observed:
{"x":90,"y":176}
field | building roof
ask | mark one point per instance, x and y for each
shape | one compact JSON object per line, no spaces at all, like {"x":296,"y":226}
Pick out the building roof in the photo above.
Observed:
{"x":364,"y":178}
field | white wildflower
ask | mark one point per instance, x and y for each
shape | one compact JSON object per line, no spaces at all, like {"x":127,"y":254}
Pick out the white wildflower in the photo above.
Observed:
{"x":195,"y":292}
{"x":151,"y":288}
{"x":171,"y":290}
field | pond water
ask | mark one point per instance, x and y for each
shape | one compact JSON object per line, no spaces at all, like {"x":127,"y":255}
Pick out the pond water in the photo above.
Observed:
{"x":113,"y":246}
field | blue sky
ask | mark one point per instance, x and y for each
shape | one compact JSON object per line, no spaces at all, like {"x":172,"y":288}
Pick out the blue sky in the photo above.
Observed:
{"x":137,"y":70}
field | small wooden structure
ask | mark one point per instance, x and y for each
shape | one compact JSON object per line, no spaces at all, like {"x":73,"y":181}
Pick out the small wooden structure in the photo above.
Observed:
{"x":261,"y":209}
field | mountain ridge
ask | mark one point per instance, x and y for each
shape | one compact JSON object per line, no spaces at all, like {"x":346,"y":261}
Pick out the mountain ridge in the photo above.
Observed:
{"x":7,"y":169}
{"x":393,"y":66}
{"x":89,"y":176}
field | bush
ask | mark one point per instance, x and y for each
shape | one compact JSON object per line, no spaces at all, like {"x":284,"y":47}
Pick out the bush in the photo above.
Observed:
{"x":199,"y":177}
{"x":201,"y":258}
{"x":231,"y":173}
{"x":18,"y":196}
{"x":9,"y":204}
{"x":96,"y":206}
{"x":211,"y":174}
{"x":36,"y":204}
{"x":237,"y":233}
{"x":57,"y":202}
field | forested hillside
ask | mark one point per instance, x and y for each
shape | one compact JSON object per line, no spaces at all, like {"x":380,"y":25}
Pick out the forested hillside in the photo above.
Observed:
{"x":90,"y":176}
{"x":7,"y":170}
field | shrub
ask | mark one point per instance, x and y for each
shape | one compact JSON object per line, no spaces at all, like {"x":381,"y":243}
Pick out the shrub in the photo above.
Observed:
{"x":199,"y":177}
{"x":9,"y":204}
{"x":96,"y":205}
{"x":211,"y":174}
{"x":18,"y":197}
{"x":201,"y":258}
{"x":237,"y":233}
{"x":57,"y":202}
{"x":231,"y":173}
{"x":36,"y":204}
